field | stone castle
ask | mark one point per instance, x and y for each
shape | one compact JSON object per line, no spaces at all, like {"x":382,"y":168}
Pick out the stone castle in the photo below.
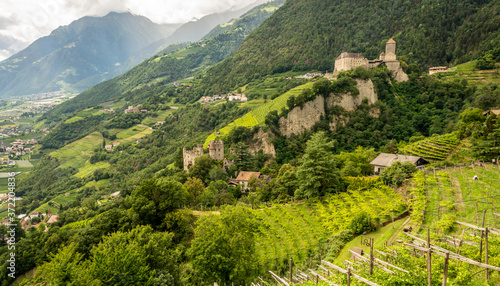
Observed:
{"x":347,"y":61}
{"x":215,"y":151}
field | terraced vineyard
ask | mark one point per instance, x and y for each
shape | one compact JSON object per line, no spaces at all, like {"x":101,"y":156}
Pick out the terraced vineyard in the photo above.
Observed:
{"x":287,"y":231}
{"x":436,"y":147}
{"x":293,"y":231}
{"x":258,"y":115}
{"x":381,"y":203}
{"x":454,"y":193}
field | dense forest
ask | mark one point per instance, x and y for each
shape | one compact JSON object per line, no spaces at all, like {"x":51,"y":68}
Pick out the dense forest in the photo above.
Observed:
{"x":456,"y":32}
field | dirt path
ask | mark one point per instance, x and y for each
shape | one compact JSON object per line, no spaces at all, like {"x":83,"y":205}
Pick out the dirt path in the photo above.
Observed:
{"x":459,"y":192}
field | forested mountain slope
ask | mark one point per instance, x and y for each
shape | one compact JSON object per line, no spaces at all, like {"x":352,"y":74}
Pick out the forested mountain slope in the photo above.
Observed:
{"x":305,"y":35}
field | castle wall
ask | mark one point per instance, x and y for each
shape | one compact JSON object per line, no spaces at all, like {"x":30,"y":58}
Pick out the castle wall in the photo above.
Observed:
{"x":190,"y":156}
{"x":347,"y":63}
{"x":390,"y":57}
{"x":216,"y":150}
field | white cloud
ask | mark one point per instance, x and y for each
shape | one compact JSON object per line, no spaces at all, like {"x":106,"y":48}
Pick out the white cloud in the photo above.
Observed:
{"x":28,"y":20}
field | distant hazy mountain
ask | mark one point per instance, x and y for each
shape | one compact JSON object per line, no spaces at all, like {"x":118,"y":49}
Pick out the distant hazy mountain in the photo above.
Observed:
{"x":72,"y":54}
{"x":192,"y":31}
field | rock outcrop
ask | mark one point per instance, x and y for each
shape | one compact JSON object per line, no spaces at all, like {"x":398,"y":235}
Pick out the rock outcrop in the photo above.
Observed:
{"x":302,"y":119}
{"x":262,"y":141}
{"x":351,"y":102}
{"x":397,"y":72}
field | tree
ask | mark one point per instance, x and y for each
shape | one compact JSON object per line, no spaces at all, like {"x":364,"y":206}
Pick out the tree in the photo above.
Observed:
{"x":201,"y":168}
{"x":154,"y":198}
{"x":287,"y":180}
{"x":179,"y":158}
{"x":489,"y":148}
{"x":223,"y":249}
{"x":397,"y":173}
{"x":356,"y":163}
{"x":241,"y":156}
{"x":318,"y":173}
{"x":194,"y":188}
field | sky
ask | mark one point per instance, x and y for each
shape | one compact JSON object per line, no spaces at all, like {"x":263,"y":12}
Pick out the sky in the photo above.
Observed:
{"x":24,"y":21}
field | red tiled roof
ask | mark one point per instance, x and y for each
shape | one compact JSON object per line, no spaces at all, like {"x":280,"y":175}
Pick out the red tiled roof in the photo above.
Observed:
{"x":246,"y":176}
{"x":391,"y":41}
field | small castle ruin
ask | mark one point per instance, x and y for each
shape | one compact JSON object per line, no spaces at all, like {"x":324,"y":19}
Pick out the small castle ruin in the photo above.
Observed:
{"x":215,"y":151}
{"x":347,"y":61}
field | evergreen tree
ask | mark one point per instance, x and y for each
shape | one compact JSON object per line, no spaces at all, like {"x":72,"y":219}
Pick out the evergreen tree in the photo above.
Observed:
{"x":318,"y":173}
{"x":242,"y":158}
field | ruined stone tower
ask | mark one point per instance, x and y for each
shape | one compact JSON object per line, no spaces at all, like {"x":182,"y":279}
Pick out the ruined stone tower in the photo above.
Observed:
{"x":190,"y":155}
{"x":216,"y":150}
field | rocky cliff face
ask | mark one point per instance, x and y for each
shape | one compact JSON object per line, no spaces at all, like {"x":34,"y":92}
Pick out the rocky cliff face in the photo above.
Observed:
{"x":397,"y":72}
{"x":351,"y":102}
{"x":303,"y":119}
{"x":262,"y":141}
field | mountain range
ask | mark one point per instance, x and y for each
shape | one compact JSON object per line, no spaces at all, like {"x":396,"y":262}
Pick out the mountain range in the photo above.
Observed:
{"x":175,"y":62}
{"x":93,"y":49}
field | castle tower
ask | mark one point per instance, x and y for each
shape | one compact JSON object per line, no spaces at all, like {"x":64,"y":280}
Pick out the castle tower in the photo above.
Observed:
{"x":216,"y":150}
{"x":190,"y":156}
{"x":390,"y":50}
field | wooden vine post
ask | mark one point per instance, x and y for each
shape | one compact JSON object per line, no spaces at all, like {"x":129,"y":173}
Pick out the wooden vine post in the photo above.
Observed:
{"x":477,"y":218}
{"x":486,"y":253}
{"x":348,"y":276}
{"x":481,"y":241}
{"x":371,"y":256}
{"x":445,"y":270}
{"x":429,"y":265}
{"x":291,"y":269}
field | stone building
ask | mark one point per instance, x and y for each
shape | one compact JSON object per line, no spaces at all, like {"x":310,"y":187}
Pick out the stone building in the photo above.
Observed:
{"x":215,"y":151}
{"x":348,"y":61}
{"x":190,"y":155}
{"x":385,"y":160}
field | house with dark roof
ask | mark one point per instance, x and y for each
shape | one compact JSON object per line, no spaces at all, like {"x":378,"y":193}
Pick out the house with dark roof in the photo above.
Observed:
{"x":385,"y":160}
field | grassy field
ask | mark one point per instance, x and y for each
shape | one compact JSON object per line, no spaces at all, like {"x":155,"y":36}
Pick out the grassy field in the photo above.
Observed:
{"x":73,"y":119}
{"x":382,"y":235}
{"x":77,"y":153}
{"x":467,"y":71}
{"x":257,"y":116}
{"x":24,"y":163}
{"x":132,"y":134}
{"x":89,"y":169}
{"x":161,"y":117}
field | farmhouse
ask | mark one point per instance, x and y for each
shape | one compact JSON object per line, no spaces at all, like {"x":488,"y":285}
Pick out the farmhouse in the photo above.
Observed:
{"x":244,"y":177}
{"x":385,"y":160}
{"x":437,"y":69}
